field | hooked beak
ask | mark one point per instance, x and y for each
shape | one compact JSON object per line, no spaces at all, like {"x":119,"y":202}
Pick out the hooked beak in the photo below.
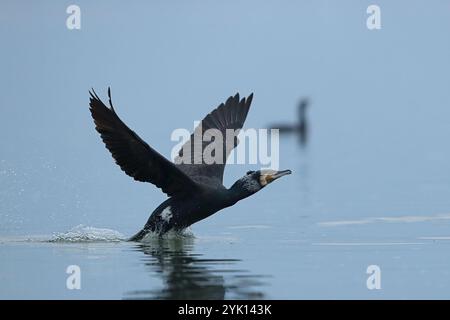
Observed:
{"x":267,"y":178}
{"x":279,"y":174}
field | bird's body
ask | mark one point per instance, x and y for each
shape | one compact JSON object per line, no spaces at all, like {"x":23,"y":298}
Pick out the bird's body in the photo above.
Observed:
{"x":194,"y":185}
{"x":178,"y":213}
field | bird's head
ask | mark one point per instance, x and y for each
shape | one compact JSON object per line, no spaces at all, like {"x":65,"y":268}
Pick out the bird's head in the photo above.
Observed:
{"x":253,"y":181}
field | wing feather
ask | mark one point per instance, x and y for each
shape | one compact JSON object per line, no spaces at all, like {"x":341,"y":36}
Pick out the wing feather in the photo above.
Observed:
{"x":134,"y":156}
{"x":228,"y":115}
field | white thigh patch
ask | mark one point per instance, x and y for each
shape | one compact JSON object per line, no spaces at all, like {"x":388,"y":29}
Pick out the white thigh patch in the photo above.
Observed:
{"x":166,"y":214}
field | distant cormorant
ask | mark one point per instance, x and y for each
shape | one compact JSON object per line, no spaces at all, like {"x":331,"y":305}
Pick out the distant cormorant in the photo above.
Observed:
{"x":195,"y":191}
{"x":300,"y":128}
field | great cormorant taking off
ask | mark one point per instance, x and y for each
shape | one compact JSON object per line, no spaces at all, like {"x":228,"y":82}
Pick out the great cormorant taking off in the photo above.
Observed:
{"x":195,"y":190}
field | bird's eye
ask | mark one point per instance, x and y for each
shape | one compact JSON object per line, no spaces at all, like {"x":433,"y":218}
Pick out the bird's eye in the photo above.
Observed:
{"x":250,"y":172}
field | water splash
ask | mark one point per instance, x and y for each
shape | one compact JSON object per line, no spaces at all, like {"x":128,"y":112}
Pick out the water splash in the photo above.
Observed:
{"x":83,"y":233}
{"x":172,"y":234}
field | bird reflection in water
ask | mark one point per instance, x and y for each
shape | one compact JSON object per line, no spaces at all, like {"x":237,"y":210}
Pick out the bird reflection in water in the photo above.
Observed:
{"x":301,"y":128}
{"x":188,"y":275}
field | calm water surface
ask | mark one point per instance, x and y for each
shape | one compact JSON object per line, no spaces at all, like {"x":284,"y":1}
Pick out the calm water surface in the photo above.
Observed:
{"x":295,"y":239}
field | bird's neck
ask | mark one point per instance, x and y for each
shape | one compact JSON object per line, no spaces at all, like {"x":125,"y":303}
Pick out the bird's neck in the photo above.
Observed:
{"x":301,"y":114}
{"x":236,"y":193}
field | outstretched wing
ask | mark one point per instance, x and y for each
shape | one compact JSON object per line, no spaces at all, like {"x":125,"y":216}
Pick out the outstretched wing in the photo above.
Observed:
{"x":134,"y":156}
{"x":228,"y":115}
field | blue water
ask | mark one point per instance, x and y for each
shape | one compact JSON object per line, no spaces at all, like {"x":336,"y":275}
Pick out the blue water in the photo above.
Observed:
{"x":371,"y":187}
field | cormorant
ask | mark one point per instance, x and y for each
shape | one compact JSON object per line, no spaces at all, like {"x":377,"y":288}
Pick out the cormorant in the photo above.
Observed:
{"x":301,"y":128}
{"x":195,"y":190}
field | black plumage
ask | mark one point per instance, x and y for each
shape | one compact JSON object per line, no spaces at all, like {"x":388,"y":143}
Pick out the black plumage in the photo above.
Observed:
{"x":230,"y":115}
{"x":195,"y":188}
